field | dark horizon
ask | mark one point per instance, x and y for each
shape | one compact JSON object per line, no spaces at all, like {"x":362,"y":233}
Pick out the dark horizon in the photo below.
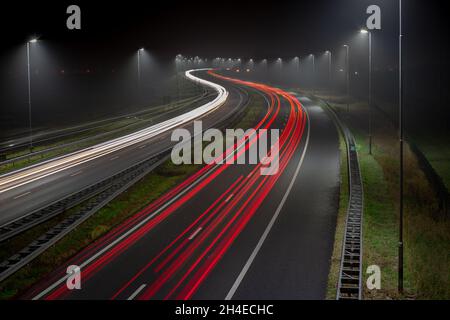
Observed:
{"x":86,"y":69}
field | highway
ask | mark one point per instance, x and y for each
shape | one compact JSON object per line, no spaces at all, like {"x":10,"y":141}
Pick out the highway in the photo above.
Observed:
{"x":37,"y":186}
{"x":227,"y":232}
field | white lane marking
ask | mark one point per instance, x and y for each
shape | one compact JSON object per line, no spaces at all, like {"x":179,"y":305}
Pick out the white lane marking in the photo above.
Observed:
{"x":137,"y":226}
{"x":137,"y":292}
{"x":271,"y":223}
{"x":114,"y":158}
{"x":22,"y":195}
{"x":195,"y":233}
{"x":229,"y":197}
{"x":34,"y":173}
{"x":76,"y":173}
{"x":144,"y":221}
{"x":143,"y":146}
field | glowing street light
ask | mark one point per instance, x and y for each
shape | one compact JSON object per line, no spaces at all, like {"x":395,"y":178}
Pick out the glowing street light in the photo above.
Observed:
{"x":313,"y":71}
{"x":139,"y":65}
{"x":34,"y":40}
{"x":328,"y":52}
{"x":347,"y":76}
{"x":297,"y":63}
{"x":365,"y":31}
{"x":401,"y":138}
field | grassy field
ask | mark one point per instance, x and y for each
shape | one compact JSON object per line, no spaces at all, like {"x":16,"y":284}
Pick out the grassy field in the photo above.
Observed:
{"x":140,"y":195}
{"x":131,"y":201}
{"x":427,"y":235}
{"x":437,"y":152}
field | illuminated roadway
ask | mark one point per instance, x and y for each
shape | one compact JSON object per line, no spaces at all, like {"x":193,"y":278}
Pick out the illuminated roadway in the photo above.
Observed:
{"x":227,"y":232}
{"x":34,"y":187}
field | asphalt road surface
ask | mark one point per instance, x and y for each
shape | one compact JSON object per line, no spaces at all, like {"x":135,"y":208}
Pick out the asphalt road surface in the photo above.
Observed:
{"x":228,"y":232}
{"x":20,"y":201}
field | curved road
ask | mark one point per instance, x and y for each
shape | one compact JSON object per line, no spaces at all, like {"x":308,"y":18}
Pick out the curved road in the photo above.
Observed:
{"x":228,"y":232}
{"x":20,"y":201}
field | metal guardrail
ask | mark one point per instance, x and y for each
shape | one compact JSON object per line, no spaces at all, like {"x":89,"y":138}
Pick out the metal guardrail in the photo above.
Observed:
{"x":122,"y":182}
{"x":350,"y":274}
{"x":176,"y":105}
{"x":38,"y":246}
{"x":41,"y":215}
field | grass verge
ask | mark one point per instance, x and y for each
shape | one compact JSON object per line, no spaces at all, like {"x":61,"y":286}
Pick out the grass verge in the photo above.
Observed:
{"x":124,"y":206}
{"x":333,"y":276}
{"x":427,"y":235}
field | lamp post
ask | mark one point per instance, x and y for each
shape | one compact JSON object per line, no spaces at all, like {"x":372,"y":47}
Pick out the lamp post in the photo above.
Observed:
{"x":29,"y":92}
{"x":401,"y":137}
{"x":139,"y":65}
{"x":297,"y":69}
{"x":328,"y":52}
{"x":280,"y":63}
{"x":364,"y":31}
{"x":139,"y":73}
{"x":313,"y":72}
{"x":347,"y":76}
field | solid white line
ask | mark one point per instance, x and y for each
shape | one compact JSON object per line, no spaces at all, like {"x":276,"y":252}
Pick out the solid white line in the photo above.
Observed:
{"x":22,"y":195}
{"x":21,"y":177}
{"x":140,"y":224}
{"x":271,"y":223}
{"x":137,"y":226}
{"x":124,"y":235}
{"x":136,"y":292}
{"x":229,"y":197}
{"x":195,"y":233}
{"x":114,"y":158}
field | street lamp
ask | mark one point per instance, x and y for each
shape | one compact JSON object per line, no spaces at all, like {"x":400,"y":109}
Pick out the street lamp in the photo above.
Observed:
{"x":347,"y":76}
{"x":34,"y":40}
{"x":401,"y":137}
{"x":139,"y":52}
{"x":364,"y":31}
{"x":328,"y":52}
{"x":313,"y":72}
{"x":297,"y":63}
{"x":280,"y":63}
{"x":139,"y":65}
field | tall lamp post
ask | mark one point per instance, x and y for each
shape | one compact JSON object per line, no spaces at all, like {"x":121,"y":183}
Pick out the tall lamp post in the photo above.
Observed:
{"x":139,"y":72}
{"x":328,"y":52}
{"x":401,"y":137}
{"x":139,"y":65}
{"x":347,"y":76}
{"x":29,"y":92}
{"x":364,"y":31}
{"x":313,"y":72}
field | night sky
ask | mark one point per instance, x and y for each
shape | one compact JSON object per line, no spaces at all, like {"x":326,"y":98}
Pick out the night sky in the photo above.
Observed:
{"x":112,"y":32}
{"x":212,"y":28}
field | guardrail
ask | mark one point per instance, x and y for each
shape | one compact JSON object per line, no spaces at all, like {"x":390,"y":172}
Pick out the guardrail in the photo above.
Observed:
{"x":176,"y":105}
{"x":38,"y":246}
{"x":122,"y":182}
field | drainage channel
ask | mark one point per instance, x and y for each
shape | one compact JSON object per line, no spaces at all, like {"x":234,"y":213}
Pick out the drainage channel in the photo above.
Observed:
{"x":350,"y":273}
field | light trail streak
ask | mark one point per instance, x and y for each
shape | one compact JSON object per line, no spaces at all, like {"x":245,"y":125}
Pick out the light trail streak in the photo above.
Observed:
{"x":36,"y":172}
{"x":253,"y":189}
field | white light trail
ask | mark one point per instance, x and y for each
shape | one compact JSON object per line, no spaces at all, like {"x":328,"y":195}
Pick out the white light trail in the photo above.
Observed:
{"x":42,"y":170}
